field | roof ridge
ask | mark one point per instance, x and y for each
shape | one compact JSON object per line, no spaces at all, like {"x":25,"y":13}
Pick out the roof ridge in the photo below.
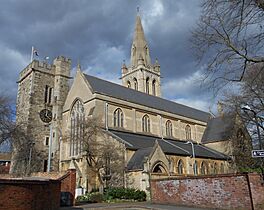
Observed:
{"x":147,"y":95}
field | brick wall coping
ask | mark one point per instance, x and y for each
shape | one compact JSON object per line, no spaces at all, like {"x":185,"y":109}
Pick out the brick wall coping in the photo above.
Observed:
{"x":203,"y":176}
{"x":26,"y":180}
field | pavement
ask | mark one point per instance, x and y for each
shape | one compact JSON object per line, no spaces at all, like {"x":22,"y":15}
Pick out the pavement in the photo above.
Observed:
{"x":129,"y":206}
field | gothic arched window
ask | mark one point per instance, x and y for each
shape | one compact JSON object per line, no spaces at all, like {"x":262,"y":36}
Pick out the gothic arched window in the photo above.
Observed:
{"x":195,"y":168}
{"x":128,"y":84}
{"x":215,"y":169}
{"x":146,"y":123}
{"x":118,"y":118}
{"x":168,"y":128}
{"x":154,"y":87}
{"x":188,"y":132}
{"x":77,"y":128}
{"x":203,"y":168}
{"x":135,"y":84}
{"x":222,"y":168}
{"x":147,"y":85}
{"x":180,"y":167}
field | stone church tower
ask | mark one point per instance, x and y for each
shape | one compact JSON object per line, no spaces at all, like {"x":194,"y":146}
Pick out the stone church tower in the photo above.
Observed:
{"x":141,"y":75}
{"x":42,"y":90}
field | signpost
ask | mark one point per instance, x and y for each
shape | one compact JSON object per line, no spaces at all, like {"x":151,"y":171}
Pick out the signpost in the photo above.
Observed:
{"x":257,"y":153}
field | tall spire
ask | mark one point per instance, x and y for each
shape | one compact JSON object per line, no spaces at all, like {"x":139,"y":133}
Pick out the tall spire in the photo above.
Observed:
{"x":139,"y":46}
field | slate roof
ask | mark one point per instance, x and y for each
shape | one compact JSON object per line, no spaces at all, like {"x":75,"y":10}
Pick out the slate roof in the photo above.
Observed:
{"x":137,"y":160}
{"x":117,"y":91}
{"x":218,"y":129}
{"x":135,"y":141}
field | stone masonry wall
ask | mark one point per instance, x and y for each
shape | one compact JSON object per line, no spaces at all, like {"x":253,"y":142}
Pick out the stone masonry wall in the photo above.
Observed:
{"x":235,"y":191}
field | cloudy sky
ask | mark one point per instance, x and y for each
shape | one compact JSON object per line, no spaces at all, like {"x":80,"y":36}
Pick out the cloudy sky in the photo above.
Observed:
{"x":99,"y":35}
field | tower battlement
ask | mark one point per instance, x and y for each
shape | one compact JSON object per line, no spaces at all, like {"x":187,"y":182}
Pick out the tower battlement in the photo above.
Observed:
{"x":37,"y":65}
{"x":62,"y":58}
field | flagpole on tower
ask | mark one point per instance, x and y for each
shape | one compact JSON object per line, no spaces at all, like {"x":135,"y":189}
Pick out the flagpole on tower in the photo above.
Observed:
{"x":32,"y":51}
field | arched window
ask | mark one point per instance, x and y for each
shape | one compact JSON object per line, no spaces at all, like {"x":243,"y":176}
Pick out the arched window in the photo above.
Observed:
{"x":118,"y":118}
{"x":215,"y":169}
{"x":154,"y":87}
{"x":135,"y":84}
{"x":203,"y":168}
{"x":222,"y":168}
{"x":180,"y":167}
{"x":146,"y":123}
{"x":188,"y":132}
{"x":159,"y":168}
{"x":77,"y":128}
{"x":168,"y":128}
{"x":128,"y":84}
{"x":147,"y":85}
{"x":195,"y":168}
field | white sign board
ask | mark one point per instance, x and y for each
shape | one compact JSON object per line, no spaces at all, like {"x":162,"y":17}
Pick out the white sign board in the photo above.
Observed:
{"x":257,"y":153}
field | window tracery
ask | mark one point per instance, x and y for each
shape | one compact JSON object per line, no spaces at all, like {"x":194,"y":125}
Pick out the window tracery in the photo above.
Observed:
{"x":77,"y":128}
{"x":118,"y":118}
{"x":146,"y":123}
{"x":168,"y":128}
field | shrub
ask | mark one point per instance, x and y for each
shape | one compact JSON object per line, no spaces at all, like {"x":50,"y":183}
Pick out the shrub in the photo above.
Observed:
{"x":125,"y":194}
{"x":96,"y":197}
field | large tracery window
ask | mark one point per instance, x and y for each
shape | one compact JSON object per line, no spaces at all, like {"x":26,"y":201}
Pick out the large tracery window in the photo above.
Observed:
{"x":77,"y":128}
{"x":118,"y":118}
{"x":168,"y":128}
{"x":146,"y":123}
{"x":188,"y":132}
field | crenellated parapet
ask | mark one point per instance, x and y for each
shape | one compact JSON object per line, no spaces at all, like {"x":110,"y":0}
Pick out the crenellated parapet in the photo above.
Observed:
{"x":36,"y":65}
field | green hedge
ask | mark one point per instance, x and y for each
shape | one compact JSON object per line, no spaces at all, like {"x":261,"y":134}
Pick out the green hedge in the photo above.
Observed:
{"x":113,"y":194}
{"x":125,"y":194}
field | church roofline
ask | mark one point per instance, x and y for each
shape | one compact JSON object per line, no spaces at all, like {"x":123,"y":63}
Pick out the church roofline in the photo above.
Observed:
{"x":115,"y":90}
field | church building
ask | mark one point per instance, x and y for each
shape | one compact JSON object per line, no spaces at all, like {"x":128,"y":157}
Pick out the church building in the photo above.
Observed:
{"x":153,"y":136}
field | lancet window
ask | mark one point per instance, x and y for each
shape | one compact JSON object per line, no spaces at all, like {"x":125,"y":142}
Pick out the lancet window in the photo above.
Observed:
{"x":146,"y":123}
{"x":118,"y":118}
{"x":188,"y":132}
{"x":168,"y":128}
{"x":180,"y":167}
{"x":154,"y":87}
{"x":147,"y":85}
{"x":135,"y":84}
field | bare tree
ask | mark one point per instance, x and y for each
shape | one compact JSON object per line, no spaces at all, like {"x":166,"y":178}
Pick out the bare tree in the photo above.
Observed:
{"x":6,"y":121}
{"x":104,"y":155}
{"x":22,"y":145}
{"x":229,"y":39}
{"x":248,"y":104}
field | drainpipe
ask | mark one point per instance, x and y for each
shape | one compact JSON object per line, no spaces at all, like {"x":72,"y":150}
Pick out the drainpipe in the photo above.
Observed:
{"x":250,"y":193}
{"x":161,"y":131}
{"x":106,"y":116}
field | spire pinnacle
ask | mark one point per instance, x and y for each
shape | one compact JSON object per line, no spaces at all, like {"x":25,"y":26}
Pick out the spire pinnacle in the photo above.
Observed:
{"x":78,"y":66}
{"x":139,"y":45}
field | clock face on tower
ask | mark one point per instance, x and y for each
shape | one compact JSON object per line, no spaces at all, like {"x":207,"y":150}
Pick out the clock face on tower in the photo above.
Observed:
{"x":45,"y":115}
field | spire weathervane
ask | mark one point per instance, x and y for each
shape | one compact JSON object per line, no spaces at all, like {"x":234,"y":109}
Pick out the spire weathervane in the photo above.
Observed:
{"x":138,"y":9}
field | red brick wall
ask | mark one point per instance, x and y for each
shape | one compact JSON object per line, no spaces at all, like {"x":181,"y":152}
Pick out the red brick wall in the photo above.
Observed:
{"x":18,"y":194}
{"x":221,"y":191}
{"x":68,"y":183}
{"x":257,"y":190}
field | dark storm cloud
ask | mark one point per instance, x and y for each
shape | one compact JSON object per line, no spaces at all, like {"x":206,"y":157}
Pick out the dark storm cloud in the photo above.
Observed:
{"x":99,"y":34}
